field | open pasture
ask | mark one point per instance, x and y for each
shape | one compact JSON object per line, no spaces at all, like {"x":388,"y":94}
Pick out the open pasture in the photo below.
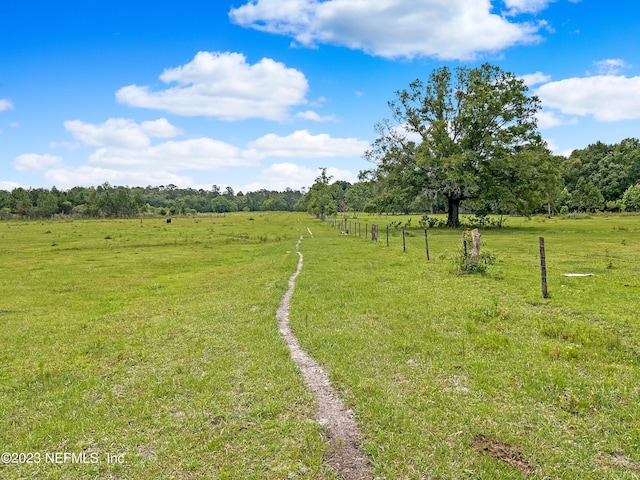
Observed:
{"x":476,"y":376}
{"x":159,"y":344}
{"x":156,"y":343}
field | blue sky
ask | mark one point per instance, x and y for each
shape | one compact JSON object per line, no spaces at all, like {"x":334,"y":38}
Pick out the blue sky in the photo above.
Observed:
{"x":261,"y":93}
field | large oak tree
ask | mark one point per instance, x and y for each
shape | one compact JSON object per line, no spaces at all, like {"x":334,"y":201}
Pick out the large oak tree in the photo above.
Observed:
{"x":463,"y":135}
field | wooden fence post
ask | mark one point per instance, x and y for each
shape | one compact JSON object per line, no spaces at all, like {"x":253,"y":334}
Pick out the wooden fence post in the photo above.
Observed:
{"x":374,"y":232}
{"x":387,"y":235}
{"x":366,"y":231}
{"x":464,"y":243}
{"x":426,"y":243}
{"x":404,"y":242}
{"x":543,"y":269}
{"x":475,"y":246}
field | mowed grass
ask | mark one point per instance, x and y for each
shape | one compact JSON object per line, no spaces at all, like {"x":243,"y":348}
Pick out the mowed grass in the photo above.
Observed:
{"x":476,"y":376}
{"x":156,"y":343}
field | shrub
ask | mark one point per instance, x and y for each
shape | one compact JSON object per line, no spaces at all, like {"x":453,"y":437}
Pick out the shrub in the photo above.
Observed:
{"x":431,"y":222}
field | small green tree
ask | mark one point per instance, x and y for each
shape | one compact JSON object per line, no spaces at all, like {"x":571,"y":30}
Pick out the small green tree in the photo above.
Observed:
{"x":275,"y":203}
{"x":357,"y":197}
{"x":320,"y":201}
{"x":631,"y":197}
{"x":222,"y":204}
{"x":586,"y":197}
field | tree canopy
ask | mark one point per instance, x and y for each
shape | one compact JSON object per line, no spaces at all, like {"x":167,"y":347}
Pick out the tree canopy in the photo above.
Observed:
{"x":464,"y":134}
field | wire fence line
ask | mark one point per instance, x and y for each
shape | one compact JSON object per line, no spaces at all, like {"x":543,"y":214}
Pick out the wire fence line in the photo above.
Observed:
{"x":513,"y":258}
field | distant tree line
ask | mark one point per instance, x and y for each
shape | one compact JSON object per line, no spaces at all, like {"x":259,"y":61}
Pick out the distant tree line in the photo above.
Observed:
{"x":599,"y":177}
{"x":120,"y":201}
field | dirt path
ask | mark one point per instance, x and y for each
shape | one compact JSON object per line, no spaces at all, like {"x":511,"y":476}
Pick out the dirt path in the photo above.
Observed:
{"x":346,"y":457}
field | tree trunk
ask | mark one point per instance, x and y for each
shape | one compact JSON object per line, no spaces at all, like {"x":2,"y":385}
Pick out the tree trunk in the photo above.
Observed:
{"x":452,"y":216}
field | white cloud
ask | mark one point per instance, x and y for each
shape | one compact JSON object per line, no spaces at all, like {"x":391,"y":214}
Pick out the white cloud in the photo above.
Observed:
{"x":8,"y":186}
{"x":549,"y":119}
{"x":224,"y":86}
{"x":290,"y":175}
{"x":526,"y":6}
{"x":555,"y":149}
{"x":5,"y":104}
{"x":32,"y":162}
{"x":302,"y":144}
{"x":605,"y":97}
{"x":193,"y":154}
{"x":120,"y":132}
{"x":125,"y":158}
{"x":448,"y":30}
{"x":610,"y":66}
{"x":314,"y":116}
{"x":69,"y":177}
{"x":532,"y":79}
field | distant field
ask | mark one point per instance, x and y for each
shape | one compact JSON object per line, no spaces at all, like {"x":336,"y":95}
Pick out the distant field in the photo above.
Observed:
{"x":155,"y":348}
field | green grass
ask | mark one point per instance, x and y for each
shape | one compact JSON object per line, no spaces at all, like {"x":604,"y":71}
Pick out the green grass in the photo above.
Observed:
{"x":432,"y":360}
{"x":154,"y":341}
{"x":160,"y":342}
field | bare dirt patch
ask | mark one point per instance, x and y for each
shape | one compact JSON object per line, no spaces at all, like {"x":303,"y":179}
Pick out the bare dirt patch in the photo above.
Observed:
{"x":346,"y":457}
{"x":503,"y":452}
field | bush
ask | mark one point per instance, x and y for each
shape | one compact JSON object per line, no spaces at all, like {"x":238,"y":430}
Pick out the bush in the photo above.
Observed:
{"x":631,"y":197}
{"x":463,"y":262}
{"x":482,"y":221}
{"x":431,"y":222}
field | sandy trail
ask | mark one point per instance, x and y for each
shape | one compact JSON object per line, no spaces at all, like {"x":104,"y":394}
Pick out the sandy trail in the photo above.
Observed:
{"x":346,"y":457}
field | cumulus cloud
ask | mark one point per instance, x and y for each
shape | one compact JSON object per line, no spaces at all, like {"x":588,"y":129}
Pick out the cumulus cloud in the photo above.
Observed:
{"x":290,"y":175}
{"x":314,"y":116}
{"x":526,"y":6}
{"x":224,"y":86}
{"x":5,"y":104}
{"x":537,"y":78}
{"x":124,"y":157}
{"x":549,"y":119}
{"x":8,"y":186}
{"x":302,"y":144}
{"x":69,"y":177}
{"x":610,"y":66}
{"x":32,"y":162}
{"x":606,"y":98}
{"x":120,"y":132}
{"x":207,"y":154}
{"x":447,"y":30}
{"x":194,"y":154}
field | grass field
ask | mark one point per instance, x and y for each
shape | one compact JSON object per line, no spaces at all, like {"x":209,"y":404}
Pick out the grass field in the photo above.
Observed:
{"x":154,"y":342}
{"x":470,"y":376}
{"x":156,"y":346}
